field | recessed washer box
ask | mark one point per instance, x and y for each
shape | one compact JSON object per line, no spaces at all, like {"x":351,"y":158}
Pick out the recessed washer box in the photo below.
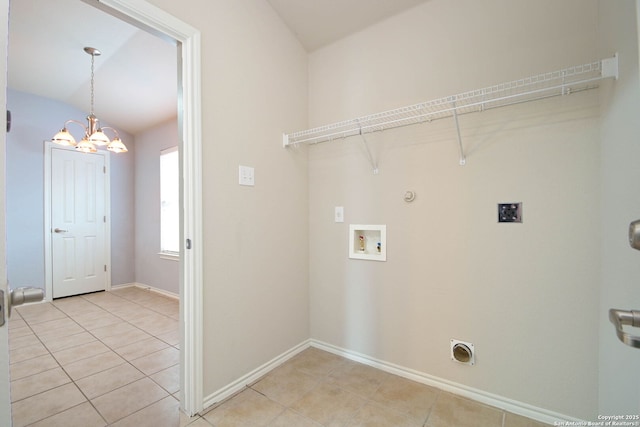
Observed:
{"x":368,"y":242}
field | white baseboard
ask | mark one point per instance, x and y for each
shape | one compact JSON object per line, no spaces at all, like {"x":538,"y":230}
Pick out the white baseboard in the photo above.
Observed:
{"x":236,"y":386}
{"x":148,"y":288}
{"x":506,"y":404}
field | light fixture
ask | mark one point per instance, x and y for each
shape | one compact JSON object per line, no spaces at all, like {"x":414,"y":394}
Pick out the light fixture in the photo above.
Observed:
{"x":93,"y":134}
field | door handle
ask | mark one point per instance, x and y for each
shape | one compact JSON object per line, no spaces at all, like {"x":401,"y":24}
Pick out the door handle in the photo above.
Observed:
{"x":629,"y":318}
{"x":19,"y":296}
{"x":59,"y":230}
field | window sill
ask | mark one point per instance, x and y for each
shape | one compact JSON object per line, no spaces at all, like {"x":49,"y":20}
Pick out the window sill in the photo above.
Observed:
{"x":172,"y":256}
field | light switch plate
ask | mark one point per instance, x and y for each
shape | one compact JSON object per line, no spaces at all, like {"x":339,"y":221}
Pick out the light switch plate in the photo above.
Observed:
{"x":246,"y":175}
{"x":339,"y":214}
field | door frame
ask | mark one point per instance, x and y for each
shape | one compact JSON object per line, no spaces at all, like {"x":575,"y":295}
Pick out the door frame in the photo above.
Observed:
{"x":48,"y":249}
{"x":187,"y":38}
{"x":5,"y":400}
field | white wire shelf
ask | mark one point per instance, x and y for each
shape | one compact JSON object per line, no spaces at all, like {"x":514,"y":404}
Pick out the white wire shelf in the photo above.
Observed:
{"x":555,"y":83}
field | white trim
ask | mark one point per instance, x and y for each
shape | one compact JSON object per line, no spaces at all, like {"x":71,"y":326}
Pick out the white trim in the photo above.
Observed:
{"x":248,"y":379}
{"x":500,"y":402}
{"x":48,"y":262}
{"x":149,"y":288}
{"x":190,"y":121}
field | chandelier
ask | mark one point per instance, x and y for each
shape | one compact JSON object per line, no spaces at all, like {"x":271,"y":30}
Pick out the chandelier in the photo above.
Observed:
{"x":94,"y":135}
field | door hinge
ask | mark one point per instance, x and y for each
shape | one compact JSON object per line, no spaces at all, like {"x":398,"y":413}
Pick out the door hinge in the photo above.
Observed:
{"x":104,"y":169}
{"x":104,"y":219}
{"x":105,"y":268}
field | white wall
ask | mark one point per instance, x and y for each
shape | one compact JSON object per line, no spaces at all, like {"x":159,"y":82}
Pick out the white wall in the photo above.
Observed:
{"x":527,"y":295}
{"x":254,"y":85}
{"x":34,"y":120}
{"x":619,"y":366}
{"x":150,"y":269}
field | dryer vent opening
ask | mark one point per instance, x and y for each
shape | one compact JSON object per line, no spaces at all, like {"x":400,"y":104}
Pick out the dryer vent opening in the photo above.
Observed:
{"x":462,"y":352}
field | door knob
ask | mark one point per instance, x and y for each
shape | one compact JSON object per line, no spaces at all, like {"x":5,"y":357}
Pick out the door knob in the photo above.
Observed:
{"x":59,"y":230}
{"x":19,"y":296}
{"x":629,"y":318}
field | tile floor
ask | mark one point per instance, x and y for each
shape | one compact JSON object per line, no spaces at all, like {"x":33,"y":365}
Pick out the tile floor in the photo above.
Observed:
{"x":316,"y":388}
{"x":109,"y":358}
{"x":112,"y":359}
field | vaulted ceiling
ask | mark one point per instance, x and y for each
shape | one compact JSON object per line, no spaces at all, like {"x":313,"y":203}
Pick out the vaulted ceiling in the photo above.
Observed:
{"x":136,"y":73}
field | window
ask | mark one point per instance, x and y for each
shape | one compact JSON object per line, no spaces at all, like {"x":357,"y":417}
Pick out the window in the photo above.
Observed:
{"x":169,"y":203}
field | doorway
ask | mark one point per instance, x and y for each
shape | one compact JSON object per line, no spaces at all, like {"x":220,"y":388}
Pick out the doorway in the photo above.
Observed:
{"x":187,"y":41}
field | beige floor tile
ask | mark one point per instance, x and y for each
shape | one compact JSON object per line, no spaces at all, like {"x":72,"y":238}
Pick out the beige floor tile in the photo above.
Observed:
{"x":329,"y":405}
{"x":195,"y":421}
{"x":26,"y":340}
{"x":103,"y":382}
{"x":92,"y":365}
{"x":43,"y":405}
{"x":451,"y":410}
{"x":248,"y":408}
{"x":142,"y":348}
{"x":57,"y":328}
{"x":16,"y":322}
{"x":76,"y":305}
{"x":512,"y":420}
{"x":285,"y":384}
{"x":165,"y":412}
{"x":168,"y":308}
{"x":41,"y":312}
{"x":21,"y":354}
{"x":198,"y":422}
{"x":118,"y":328}
{"x":90,"y":321}
{"x":129,"y":292}
{"x":405,"y":396}
{"x":317,"y":362}
{"x":155,"y":362}
{"x":32,"y":366}
{"x":82,"y":351}
{"x":83,"y":415}
{"x":135,"y":313}
{"x":133,"y":336}
{"x":57,"y":344}
{"x":289,"y":419}
{"x":358,"y":378}
{"x":34,"y":384}
{"x":124,"y":305}
{"x":121,"y":403}
{"x":20,"y":331}
{"x":156,"y":324}
{"x":168,"y":379}
{"x":373,"y":415}
{"x":171,"y":338}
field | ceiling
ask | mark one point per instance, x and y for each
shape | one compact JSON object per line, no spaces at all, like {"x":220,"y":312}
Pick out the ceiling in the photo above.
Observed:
{"x":46,"y":58}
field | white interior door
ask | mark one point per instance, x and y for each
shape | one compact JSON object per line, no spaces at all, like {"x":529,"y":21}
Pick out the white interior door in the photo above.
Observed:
{"x":78,"y":222}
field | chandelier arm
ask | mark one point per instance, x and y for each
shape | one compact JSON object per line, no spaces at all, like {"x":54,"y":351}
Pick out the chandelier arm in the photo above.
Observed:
{"x":76,"y":122}
{"x":112,"y":129}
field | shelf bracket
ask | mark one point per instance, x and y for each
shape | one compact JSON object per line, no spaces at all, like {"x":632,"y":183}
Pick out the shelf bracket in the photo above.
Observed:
{"x":463,"y":160}
{"x":373,"y":163}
